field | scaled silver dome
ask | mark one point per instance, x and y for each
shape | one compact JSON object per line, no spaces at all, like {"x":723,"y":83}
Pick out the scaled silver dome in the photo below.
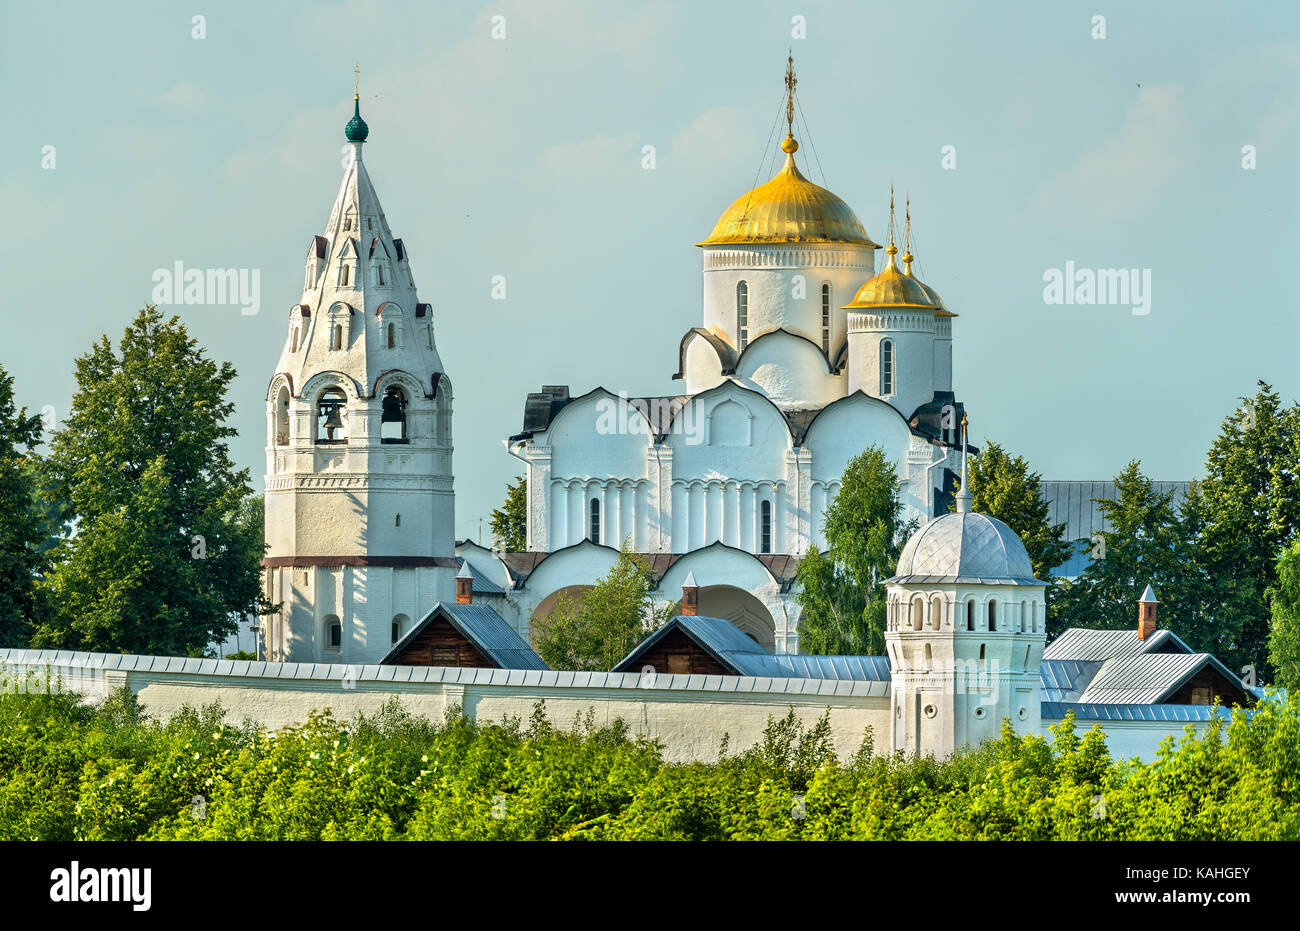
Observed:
{"x":970,"y":548}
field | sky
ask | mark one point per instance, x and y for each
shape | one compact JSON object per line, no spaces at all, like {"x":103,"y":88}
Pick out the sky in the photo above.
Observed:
{"x":1024,"y":139}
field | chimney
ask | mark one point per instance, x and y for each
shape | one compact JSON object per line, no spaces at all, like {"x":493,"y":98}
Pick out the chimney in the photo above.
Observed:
{"x":1147,"y":614}
{"x":464,"y":585}
{"x":690,"y":595}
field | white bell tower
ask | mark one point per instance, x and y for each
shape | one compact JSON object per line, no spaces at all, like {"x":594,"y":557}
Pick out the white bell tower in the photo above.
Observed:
{"x":359,"y":503}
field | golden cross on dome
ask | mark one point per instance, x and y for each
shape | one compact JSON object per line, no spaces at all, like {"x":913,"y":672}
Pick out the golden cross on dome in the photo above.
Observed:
{"x":356,"y":93}
{"x":790,"y":82}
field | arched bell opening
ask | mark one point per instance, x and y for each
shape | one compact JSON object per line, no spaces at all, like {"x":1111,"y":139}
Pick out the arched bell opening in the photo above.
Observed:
{"x":392,"y":426}
{"x":330,"y":409}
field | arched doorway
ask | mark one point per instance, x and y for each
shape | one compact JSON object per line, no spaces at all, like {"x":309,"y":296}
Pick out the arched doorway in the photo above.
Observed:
{"x":570,"y":594}
{"x":742,"y":609}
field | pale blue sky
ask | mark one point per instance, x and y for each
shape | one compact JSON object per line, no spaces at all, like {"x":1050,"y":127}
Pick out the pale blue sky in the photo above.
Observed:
{"x":522,"y":158}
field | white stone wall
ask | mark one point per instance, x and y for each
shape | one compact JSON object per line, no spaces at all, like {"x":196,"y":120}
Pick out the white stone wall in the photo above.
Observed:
{"x":691,"y":714}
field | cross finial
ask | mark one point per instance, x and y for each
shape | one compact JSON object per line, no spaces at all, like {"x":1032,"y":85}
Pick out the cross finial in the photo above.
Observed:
{"x":790,"y":82}
{"x":356,"y":92}
{"x":892,"y":248}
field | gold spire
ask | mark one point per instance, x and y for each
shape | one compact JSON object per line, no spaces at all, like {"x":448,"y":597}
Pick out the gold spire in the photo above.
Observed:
{"x":789,"y":146}
{"x":907,"y":238}
{"x":356,"y":92}
{"x":892,"y":249}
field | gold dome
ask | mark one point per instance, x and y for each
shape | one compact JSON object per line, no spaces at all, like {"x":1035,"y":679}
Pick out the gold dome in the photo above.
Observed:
{"x":934,"y":295}
{"x":894,"y":288}
{"x":789,"y":208}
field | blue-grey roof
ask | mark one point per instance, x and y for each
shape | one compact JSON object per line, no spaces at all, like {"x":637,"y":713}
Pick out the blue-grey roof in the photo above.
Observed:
{"x":1107,"y":712}
{"x":483,"y":627}
{"x":1066,"y":679}
{"x":1146,"y":678}
{"x":1083,"y":643}
{"x":743,"y":655}
{"x":1073,"y":504}
{"x":481,"y":584}
{"x":856,"y":668}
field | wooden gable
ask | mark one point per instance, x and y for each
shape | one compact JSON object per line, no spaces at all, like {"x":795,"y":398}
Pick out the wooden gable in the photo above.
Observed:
{"x":676,"y":653}
{"x":441,"y":644}
{"x":1207,"y":686}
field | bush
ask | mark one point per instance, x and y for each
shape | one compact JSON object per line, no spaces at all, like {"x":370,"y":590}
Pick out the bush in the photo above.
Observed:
{"x":108,"y":772}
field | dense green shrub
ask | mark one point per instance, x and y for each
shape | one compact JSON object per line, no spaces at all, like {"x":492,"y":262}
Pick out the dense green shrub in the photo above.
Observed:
{"x":69,"y":770}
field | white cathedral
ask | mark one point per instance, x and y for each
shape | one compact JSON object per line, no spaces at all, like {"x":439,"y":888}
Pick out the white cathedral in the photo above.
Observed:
{"x":806,"y":354}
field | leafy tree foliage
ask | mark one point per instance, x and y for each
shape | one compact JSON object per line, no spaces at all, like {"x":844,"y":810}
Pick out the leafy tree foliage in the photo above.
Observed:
{"x":167,"y":548}
{"x":1002,"y":486}
{"x":20,"y":535}
{"x":595,"y":631}
{"x":842,"y":592}
{"x":509,"y":522}
{"x":1247,"y":512}
{"x":1144,"y":546}
{"x":1284,"y":637}
{"x":69,"y":771}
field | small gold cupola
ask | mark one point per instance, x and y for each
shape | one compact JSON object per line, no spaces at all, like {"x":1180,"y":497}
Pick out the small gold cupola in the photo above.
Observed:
{"x":892,"y":287}
{"x":907,"y":266}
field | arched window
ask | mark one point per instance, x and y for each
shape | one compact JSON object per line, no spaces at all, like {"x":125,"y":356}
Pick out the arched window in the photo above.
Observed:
{"x":397,"y":521}
{"x":392,"y":336}
{"x":382,"y":282}
{"x":918,"y":613}
{"x":345,"y":274}
{"x":886,"y":367}
{"x":401,"y":624}
{"x":282,"y":416}
{"x":595,"y":520}
{"x":293,"y":344}
{"x":1023,"y":625}
{"x":333,"y":634}
{"x":765,"y":527}
{"x":742,"y":314}
{"x":336,"y":336}
{"x":1025,"y":663}
{"x":826,"y":318}
{"x":936,"y":612}
{"x":392,"y":424}
{"x":330,"y":408}
{"x":970,"y":614}
{"x":993,"y":615}
{"x":929,"y":657}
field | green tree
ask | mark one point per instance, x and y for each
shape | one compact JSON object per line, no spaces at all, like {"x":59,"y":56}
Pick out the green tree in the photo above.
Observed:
{"x":1002,"y":486}
{"x":1145,"y":546}
{"x":167,"y":548}
{"x":595,"y":631}
{"x":1248,"y":512}
{"x":842,"y":592}
{"x":20,"y":535}
{"x":509,"y":522}
{"x":1284,"y":635}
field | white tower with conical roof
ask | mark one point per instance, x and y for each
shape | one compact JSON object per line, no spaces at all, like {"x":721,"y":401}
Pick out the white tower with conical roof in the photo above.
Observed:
{"x":359,"y":502}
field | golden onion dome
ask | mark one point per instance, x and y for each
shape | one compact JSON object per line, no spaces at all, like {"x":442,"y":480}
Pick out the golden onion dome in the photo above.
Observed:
{"x":789,"y":208}
{"x":894,"y":288}
{"x":934,"y":295}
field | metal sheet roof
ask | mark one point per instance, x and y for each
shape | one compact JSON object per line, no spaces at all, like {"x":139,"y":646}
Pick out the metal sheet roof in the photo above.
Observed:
{"x":1074,"y":504}
{"x":1141,"y":679}
{"x":1088,"y":711}
{"x":742,"y":654}
{"x":1082,"y":643}
{"x":484,"y":628}
{"x":1066,"y":679}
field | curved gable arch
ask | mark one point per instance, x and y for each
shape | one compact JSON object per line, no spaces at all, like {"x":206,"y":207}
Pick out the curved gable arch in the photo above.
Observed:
{"x":768,"y":335}
{"x":742,"y":392}
{"x":582,"y":402}
{"x":322,"y":380}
